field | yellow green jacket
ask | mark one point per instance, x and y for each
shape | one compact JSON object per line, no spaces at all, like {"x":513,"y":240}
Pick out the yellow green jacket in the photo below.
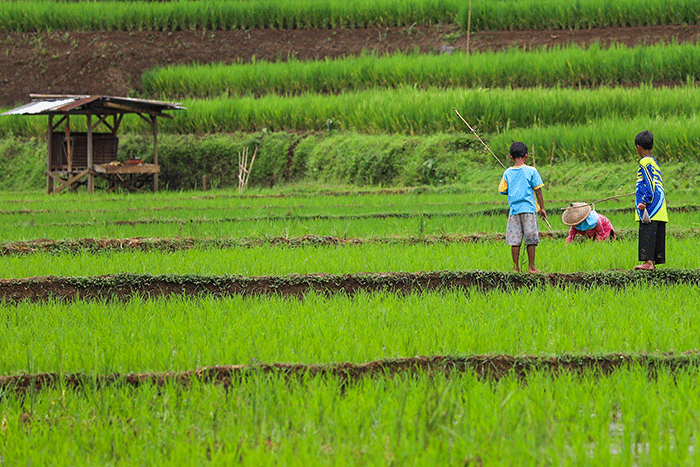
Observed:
{"x":650,"y":190}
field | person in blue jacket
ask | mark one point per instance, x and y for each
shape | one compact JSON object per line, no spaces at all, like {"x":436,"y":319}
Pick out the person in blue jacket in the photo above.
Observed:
{"x":652,"y":214}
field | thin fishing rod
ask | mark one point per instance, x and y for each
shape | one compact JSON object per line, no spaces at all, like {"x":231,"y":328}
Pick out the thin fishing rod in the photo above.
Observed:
{"x":477,"y":136}
{"x":489,"y":150}
{"x":613,"y":197}
{"x":548,"y":225}
{"x":601,"y":200}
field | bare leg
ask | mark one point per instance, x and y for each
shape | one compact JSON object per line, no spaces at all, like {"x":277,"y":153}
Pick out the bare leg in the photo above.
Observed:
{"x":647,"y":266}
{"x":531,"y":258}
{"x":515,"y":252}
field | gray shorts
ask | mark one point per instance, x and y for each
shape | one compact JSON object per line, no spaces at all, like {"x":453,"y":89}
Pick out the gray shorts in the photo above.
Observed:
{"x":522,"y":227}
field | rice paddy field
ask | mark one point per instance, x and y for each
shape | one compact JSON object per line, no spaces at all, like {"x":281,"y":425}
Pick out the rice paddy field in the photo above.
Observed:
{"x":598,"y":368}
{"x":319,"y":324}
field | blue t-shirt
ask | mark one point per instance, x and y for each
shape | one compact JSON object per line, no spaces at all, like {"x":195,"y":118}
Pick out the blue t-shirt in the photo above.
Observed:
{"x":520,"y":185}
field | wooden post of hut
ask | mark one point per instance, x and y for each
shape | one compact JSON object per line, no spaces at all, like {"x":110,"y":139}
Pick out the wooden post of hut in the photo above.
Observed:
{"x":154,"y":125}
{"x":90,"y":160}
{"x":49,"y":180}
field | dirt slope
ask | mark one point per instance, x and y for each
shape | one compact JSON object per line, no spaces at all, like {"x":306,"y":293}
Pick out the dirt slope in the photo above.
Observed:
{"x":112,"y":62}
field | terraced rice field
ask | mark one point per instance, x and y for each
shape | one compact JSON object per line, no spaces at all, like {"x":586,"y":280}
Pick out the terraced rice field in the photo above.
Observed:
{"x":249,"y":329}
{"x":342,"y":326}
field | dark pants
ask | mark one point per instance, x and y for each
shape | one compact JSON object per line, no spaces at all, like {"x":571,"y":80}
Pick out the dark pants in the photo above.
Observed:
{"x":652,"y":242}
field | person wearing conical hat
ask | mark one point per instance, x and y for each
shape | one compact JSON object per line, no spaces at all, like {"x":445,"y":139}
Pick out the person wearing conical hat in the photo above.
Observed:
{"x":652,"y":214}
{"x":584,"y":220}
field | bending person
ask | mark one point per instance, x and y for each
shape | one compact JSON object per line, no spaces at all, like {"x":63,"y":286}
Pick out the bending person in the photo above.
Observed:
{"x":585,"y":221}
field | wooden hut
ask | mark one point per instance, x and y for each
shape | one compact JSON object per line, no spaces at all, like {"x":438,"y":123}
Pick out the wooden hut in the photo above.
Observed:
{"x":76,"y":158}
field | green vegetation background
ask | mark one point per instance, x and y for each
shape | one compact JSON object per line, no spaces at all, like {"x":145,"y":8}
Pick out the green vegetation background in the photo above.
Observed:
{"x":339,"y":158}
{"x":577,"y":136}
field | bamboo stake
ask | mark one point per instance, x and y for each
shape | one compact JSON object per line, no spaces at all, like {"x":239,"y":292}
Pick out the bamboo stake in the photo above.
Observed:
{"x":240,"y":169}
{"x":548,"y":224}
{"x":551,"y":160}
{"x":244,"y":169}
{"x":251,"y":165}
{"x":469,"y":27}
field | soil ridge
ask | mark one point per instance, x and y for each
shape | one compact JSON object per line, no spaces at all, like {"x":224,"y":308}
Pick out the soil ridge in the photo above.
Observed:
{"x":126,"y":286}
{"x":491,"y":367}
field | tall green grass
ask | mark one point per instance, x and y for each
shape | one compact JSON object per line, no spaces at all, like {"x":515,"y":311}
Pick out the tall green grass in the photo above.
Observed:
{"x":625,"y":418}
{"x":41,"y":15}
{"x":473,"y":206}
{"x":565,"y":66}
{"x":181,"y":333}
{"x":553,"y":255}
{"x":408,"y":110}
{"x":338,"y":161}
{"x":536,"y":14}
{"x":608,"y":139}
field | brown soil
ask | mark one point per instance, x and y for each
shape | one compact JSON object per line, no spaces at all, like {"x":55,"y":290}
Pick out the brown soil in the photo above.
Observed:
{"x":112,"y":62}
{"x":491,"y":367}
{"x":125,"y":286}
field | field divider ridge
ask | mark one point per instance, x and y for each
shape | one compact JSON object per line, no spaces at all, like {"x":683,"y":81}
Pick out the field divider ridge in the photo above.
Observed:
{"x":125,"y":286}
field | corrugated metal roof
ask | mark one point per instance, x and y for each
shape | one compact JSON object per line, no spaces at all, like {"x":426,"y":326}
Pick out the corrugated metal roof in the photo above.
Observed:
{"x":68,"y":104}
{"x":38,"y":107}
{"x":78,"y":102}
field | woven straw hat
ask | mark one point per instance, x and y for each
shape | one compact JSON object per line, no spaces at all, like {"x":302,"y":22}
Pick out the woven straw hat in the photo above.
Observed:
{"x":576,"y":213}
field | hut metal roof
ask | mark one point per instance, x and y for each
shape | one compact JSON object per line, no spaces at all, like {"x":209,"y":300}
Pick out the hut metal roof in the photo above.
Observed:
{"x":61,"y":104}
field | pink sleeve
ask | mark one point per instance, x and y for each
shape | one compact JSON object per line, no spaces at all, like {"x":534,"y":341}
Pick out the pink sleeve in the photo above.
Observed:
{"x":604,"y":228}
{"x":572,"y":234}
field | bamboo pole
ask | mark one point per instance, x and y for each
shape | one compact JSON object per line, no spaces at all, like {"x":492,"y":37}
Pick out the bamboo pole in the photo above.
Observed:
{"x":477,"y":136}
{"x":469,"y":27}
{"x":244,"y":169}
{"x":604,"y":199}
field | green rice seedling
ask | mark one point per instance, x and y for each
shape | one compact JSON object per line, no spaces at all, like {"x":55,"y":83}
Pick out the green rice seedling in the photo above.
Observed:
{"x":409,"y":110}
{"x":465,"y":210}
{"x":324,"y":200}
{"x":180,"y":333}
{"x":564,"y":66}
{"x":607,"y":139}
{"x":560,"y":15}
{"x":414,"y":225}
{"x":295,"y":225}
{"x":40,"y":15}
{"x":269,"y":260}
{"x":549,"y":115}
{"x":261,"y":261}
{"x":116,"y":225}
{"x":622,"y":418}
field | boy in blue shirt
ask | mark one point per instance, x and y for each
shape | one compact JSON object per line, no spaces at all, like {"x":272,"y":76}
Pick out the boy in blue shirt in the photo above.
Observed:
{"x":522,"y":184}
